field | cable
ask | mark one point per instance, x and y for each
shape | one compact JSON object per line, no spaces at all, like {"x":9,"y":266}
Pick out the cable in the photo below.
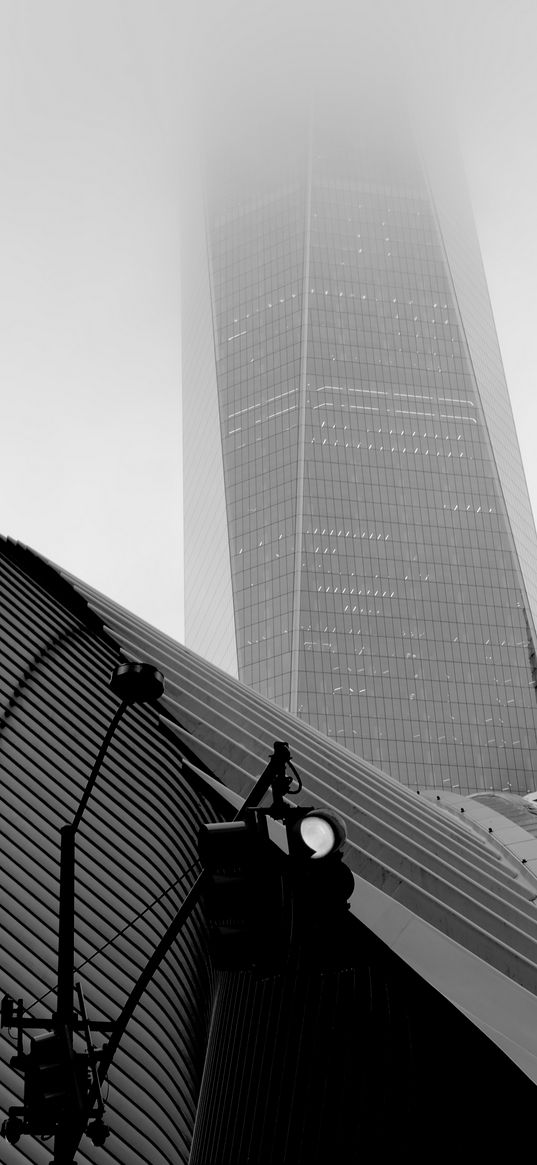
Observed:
{"x":138,"y":916}
{"x":118,"y":933}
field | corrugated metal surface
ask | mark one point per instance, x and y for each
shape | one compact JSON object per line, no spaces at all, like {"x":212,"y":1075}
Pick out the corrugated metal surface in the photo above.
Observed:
{"x":305,"y":1069}
{"x":137,"y":838}
{"x":374,"y":1021}
{"x":409,"y":847}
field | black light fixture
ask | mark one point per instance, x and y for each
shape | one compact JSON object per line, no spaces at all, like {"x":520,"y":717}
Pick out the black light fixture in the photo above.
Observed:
{"x":275,"y":877}
{"x":137,"y":683}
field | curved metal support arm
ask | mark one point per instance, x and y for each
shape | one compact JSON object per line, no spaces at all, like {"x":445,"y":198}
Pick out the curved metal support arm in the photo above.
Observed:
{"x":149,"y":970}
{"x":95,"y":770}
{"x":123,"y":1018}
{"x":280,"y":757}
{"x":67,"y":887}
{"x":276,"y":767}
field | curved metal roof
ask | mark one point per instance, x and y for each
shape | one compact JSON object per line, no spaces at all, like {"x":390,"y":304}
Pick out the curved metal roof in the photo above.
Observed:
{"x":429,"y":876}
{"x":136,"y":856}
{"x":447,"y":896}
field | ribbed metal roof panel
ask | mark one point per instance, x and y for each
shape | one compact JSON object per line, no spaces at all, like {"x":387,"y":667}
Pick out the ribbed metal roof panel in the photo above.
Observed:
{"x":137,"y":838}
{"x":407,"y":846}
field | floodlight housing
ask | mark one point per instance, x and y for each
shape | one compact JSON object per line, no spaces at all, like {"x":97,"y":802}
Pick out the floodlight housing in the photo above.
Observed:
{"x":136,"y":683}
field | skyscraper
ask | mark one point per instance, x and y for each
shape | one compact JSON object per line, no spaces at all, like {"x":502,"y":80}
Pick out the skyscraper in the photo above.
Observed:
{"x":366,"y":555}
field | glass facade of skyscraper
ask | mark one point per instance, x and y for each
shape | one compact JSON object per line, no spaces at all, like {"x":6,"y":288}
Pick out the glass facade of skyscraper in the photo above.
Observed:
{"x":377,"y":588}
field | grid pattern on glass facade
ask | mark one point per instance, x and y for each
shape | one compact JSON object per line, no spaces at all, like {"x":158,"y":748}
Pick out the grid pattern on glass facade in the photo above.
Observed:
{"x":414,"y":649}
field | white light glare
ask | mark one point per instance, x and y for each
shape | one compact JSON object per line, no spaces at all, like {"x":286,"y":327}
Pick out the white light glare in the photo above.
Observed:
{"x":319,"y":835}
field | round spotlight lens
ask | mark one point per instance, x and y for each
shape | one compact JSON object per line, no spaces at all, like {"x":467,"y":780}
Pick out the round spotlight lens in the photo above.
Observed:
{"x":319,"y":835}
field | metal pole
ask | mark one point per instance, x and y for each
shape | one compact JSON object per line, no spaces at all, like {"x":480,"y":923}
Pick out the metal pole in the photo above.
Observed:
{"x":63,"y":1148}
{"x":66,"y":956}
{"x":275,"y":768}
{"x":66,"y":930}
{"x":69,"y":1132}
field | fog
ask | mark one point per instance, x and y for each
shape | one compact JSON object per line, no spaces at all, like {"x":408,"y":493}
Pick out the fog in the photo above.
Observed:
{"x":101,"y":105}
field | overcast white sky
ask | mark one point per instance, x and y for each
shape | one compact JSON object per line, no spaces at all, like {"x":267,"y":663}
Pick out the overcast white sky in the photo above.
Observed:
{"x":91,"y":108}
